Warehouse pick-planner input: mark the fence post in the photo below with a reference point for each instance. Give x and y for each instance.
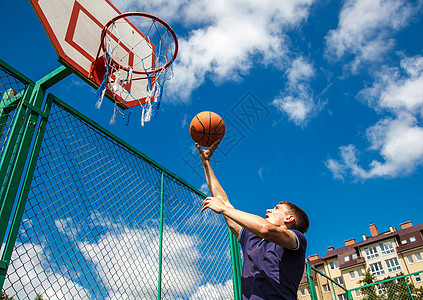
(159, 295)
(408, 287)
(236, 265)
(22, 153)
(310, 280)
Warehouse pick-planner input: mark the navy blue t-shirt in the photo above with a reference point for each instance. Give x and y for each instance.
(270, 271)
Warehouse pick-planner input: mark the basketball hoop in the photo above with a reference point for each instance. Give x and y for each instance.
(133, 62)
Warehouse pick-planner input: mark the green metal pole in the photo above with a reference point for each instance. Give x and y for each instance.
(6, 107)
(159, 296)
(11, 147)
(408, 287)
(16, 159)
(16, 220)
(15, 73)
(333, 289)
(13, 154)
(311, 284)
(12, 180)
(236, 265)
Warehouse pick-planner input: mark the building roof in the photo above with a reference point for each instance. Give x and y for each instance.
(352, 247)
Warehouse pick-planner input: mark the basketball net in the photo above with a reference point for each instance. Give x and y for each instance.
(139, 50)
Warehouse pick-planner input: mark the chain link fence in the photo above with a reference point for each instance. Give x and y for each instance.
(317, 286)
(103, 221)
(402, 287)
(12, 88)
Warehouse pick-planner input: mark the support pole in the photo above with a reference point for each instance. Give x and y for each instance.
(19, 160)
(236, 265)
(310, 280)
(159, 296)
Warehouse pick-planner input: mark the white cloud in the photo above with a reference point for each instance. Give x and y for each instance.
(400, 142)
(398, 139)
(398, 89)
(205, 188)
(68, 227)
(297, 100)
(29, 273)
(213, 292)
(226, 38)
(300, 70)
(185, 120)
(120, 258)
(262, 171)
(124, 259)
(365, 29)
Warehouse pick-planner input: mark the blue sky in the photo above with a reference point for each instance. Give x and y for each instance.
(322, 100)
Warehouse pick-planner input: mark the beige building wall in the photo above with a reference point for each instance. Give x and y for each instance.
(353, 275)
(382, 253)
(412, 260)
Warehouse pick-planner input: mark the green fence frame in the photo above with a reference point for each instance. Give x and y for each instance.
(395, 281)
(21, 153)
(312, 286)
(18, 150)
(411, 292)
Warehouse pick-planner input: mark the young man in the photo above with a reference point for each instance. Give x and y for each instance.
(273, 248)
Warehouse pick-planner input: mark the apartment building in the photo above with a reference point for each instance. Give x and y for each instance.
(385, 254)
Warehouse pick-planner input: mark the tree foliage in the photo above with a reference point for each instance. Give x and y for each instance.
(390, 288)
(5, 296)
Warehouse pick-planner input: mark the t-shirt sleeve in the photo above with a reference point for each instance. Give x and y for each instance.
(301, 240)
(241, 236)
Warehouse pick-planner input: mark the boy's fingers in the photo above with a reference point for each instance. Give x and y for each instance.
(214, 145)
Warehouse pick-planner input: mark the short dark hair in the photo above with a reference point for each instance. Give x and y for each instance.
(301, 222)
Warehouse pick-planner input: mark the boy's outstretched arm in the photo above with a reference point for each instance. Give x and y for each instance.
(215, 188)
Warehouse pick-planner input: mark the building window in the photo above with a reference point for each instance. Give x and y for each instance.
(403, 242)
(377, 269)
(386, 248)
(323, 271)
(393, 264)
(410, 259)
(357, 293)
(417, 277)
(334, 265)
(352, 275)
(326, 288)
(418, 257)
(346, 258)
(371, 252)
(412, 239)
(339, 280)
(342, 297)
(360, 273)
(354, 256)
(303, 292)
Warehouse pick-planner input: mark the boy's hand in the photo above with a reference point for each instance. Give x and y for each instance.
(206, 154)
(216, 204)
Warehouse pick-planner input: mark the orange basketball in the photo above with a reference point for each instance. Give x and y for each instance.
(206, 128)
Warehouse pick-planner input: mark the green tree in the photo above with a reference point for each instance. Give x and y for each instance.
(369, 292)
(39, 297)
(418, 293)
(5, 296)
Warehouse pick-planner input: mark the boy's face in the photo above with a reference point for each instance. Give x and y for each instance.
(278, 215)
